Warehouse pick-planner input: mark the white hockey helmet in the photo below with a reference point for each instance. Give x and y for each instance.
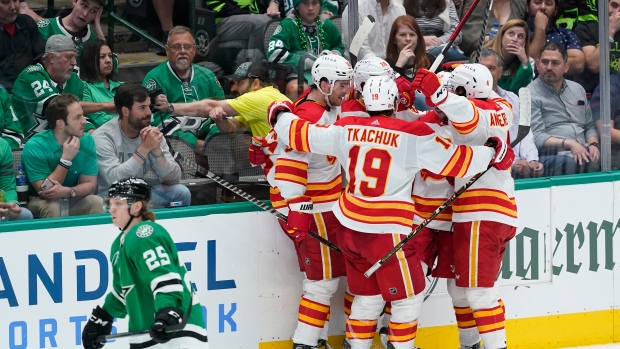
(380, 93)
(475, 78)
(366, 68)
(332, 68)
(444, 76)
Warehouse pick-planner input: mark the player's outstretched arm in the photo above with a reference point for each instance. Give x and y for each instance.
(301, 135)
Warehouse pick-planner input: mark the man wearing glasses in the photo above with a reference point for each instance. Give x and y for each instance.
(181, 81)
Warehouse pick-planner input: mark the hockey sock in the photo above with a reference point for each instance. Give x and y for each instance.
(348, 300)
(468, 332)
(312, 317)
(490, 323)
(360, 333)
(402, 335)
(325, 332)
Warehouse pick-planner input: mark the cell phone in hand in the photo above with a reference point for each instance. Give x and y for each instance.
(46, 184)
(153, 95)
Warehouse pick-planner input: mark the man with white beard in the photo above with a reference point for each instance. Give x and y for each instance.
(182, 82)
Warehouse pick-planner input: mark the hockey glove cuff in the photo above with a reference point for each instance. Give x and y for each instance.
(255, 154)
(299, 217)
(504, 155)
(277, 107)
(99, 324)
(431, 86)
(166, 317)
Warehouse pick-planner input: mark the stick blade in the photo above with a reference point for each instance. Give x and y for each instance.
(525, 106)
(361, 35)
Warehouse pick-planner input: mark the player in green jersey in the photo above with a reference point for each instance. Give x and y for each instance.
(150, 284)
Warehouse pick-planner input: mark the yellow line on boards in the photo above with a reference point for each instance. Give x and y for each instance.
(544, 332)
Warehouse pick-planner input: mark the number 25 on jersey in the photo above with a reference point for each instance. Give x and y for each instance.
(156, 258)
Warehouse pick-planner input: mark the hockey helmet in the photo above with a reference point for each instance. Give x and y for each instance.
(475, 78)
(444, 77)
(366, 68)
(132, 189)
(331, 68)
(380, 93)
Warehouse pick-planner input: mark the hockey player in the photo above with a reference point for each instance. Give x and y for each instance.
(305, 186)
(485, 216)
(376, 66)
(381, 156)
(150, 285)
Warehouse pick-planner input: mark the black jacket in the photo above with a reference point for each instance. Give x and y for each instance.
(19, 51)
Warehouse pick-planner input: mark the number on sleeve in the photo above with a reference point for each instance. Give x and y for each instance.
(376, 166)
(39, 88)
(154, 260)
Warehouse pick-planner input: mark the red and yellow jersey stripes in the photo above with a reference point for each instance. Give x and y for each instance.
(381, 157)
(491, 198)
(302, 173)
(431, 190)
(273, 151)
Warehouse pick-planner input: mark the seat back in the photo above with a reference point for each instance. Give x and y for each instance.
(228, 157)
(270, 28)
(17, 158)
(338, 22)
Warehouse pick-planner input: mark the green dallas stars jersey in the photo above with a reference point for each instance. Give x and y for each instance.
(148, 276)
(202, 84)
(10, 129)
(31, 92)
(51, 26)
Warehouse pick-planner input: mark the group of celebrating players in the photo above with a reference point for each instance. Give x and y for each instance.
(400, 165)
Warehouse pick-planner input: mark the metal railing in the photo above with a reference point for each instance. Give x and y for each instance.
(113, 18)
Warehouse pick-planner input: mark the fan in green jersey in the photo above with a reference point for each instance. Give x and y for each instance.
(150, 284)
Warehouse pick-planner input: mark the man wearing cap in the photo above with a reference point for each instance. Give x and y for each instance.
(251, 84)
(81, 25)
(36, 84)
(20, 41)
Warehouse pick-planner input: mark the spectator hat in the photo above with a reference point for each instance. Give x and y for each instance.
(297, 2)
(59, 43)
(250, 70)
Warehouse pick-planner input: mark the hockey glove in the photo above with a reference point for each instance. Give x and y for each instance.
(299, 217)
(504, 155)
(166, 317)
(99, 324)
(255, 154)
(277, 107)
(406, 92)
(431, 86)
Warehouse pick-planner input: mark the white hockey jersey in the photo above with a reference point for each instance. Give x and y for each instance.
(473, 121)
(382, 156)
(298, 173)
(431, 190)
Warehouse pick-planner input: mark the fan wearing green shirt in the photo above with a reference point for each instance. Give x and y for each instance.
(61, 163)
(251, 84)
(37, 84)
(96, 70)
(82, 24)
(10, 129)
(181, 81)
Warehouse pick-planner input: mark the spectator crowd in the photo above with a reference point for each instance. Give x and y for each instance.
(79, 129)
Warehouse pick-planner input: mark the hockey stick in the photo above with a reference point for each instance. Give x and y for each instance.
(435, 213)
(484, 31)
(525, 115)
(173, 328)
(456, 32)
(246, 196)
(360, 37)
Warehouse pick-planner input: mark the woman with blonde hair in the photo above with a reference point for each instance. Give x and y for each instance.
(512, 43)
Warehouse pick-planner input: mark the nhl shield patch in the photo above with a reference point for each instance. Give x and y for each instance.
(144, 231)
